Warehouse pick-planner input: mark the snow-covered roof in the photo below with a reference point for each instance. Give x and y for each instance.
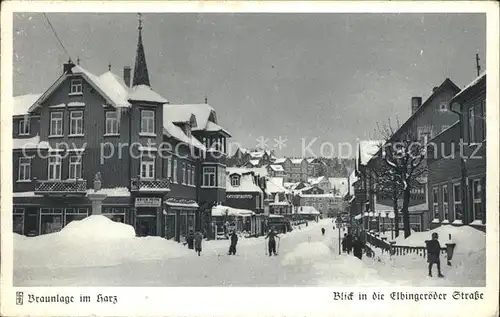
(297, 160)
(471, 84)
(367, 149)
(288, 185)
(220, 210)
(280, 160)
(261, 171)
(247, 184)
(310, 160)
(29, 143)
(275, 185)
(256, 154)
(145, 93)
(317, 196)
(307, 210)
(315, 180)
(201, 112)
(339, 183)
(22, 103)
(213, 127)
(254, 162)
(170, 129)
(276, 168)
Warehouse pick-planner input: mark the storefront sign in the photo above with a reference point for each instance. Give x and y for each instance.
(147, 202)
(239, 196)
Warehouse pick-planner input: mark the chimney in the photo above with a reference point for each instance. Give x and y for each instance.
(416, 102)
(126, 75)
(68, 66)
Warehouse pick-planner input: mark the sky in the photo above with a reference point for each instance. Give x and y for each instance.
(313, 81)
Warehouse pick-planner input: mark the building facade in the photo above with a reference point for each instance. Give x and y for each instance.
(110, 145)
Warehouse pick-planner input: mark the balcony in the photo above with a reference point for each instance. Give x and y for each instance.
(150, 185)
(61, 187)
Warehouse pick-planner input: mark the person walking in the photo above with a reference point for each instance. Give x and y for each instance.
(358, 247)
(190, 239)
(433, 250)
(198, 237)
(349, 243)
(344, 243)
(272, 235)
(323, 231)
(234, 241)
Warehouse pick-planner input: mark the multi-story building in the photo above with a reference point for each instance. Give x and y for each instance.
(275, 170)
(321, 182)
(108, 145)
(457, 162)
(426, 121)
(298, 170)
(328, 204)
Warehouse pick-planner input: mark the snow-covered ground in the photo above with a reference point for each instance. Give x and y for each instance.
(99, 252)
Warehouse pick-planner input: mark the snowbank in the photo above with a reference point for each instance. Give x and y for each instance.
(95, 241)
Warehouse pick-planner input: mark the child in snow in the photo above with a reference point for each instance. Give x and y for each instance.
(433, 249)
(323, 231)
(198, 237)
(272, 241)
(234, 241)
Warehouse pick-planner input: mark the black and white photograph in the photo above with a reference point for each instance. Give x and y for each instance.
(250, 149)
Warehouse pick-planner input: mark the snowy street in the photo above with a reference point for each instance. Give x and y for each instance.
(306, 258)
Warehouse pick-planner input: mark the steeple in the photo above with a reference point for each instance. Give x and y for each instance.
(141, 76)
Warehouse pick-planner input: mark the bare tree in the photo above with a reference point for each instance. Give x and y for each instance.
(403, 163)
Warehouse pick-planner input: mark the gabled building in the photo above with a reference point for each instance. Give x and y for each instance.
(112, 145)
(275, 170)
(457, 162)
(298, 170)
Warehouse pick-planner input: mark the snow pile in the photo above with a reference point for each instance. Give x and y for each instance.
(95, 241)
(306, 254)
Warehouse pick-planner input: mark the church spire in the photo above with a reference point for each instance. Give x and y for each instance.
(141, 76)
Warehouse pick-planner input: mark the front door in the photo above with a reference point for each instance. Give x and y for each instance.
(31, 222)
(145, 226)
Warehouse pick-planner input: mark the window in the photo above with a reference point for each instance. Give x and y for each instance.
(472, 129)
(183, 173)
(257, 198)
(111, 122)
(148, 121)
(75, 167)
(483, 114)
(24, 127)
(445, 202)
(435, 205)
(56, 123)
(76, 123)
(477, 200)
(443, 106)
(193, 173)
(457, 202)
(54, 172)
(169, 166)
(174, 172)
(147, 167)
(24, 172)
(189, 172)
(209, 176)
(235, 181)
(76, 86)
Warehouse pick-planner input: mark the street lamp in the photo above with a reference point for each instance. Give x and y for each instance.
(364, 221)
(383, 215)
(392, 215)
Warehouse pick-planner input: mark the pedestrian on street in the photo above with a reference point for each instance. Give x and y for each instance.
(344, 243)
(433, 250)
(190, 239)
(198, 238)
(358, 247)
(234, 241)
(349, 243)
(272, 235)
(323, 231)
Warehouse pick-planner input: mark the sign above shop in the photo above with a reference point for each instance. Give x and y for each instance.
(239, 196)
(147, 202)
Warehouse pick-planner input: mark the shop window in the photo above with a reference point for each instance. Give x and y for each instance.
(445, 202)
(18, 220)
(478, 207)
(51, 220)
(71, 214)
(116, 214)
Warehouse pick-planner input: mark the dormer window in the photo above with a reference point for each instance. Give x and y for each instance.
(24, 127)
(235, 181)
(76, 86)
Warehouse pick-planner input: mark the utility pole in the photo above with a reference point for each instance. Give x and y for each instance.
(478, 67)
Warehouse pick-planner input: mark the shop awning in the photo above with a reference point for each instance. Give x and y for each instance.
(220, 210)
(181, 203)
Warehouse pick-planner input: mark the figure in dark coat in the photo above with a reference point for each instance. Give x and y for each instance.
(358, 247)
(198, 237)
(272, 235)
(323, 231)
(349, 243)
(234, 241)
(433, 250)
(190, 239)
(344, 243)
